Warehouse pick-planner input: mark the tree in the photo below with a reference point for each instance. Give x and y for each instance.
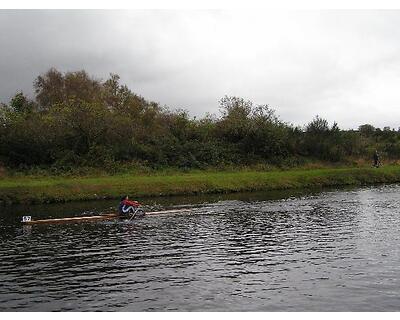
(235, 124)
(317, 125)
(366, 129)
(235, 107)
(323, 142)
(21, 104)
(54, 88)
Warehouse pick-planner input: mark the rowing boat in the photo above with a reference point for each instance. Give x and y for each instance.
(27, 220)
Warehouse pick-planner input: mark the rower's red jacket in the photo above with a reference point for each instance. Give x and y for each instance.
(130, 203)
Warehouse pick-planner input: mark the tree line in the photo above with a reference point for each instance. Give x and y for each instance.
(76, 120)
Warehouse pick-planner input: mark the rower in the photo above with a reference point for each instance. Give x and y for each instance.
(127, 206)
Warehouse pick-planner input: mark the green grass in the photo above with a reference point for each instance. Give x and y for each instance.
(59, 189)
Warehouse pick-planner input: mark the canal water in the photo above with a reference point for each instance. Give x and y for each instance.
(331, 250)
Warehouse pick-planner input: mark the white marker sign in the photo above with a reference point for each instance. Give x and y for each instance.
(26, 218)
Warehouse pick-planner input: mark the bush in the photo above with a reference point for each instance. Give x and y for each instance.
(77, 121)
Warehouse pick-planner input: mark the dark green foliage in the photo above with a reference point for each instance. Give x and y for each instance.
(21, 104)
(77, 121)
(323, 142)
(366, 130)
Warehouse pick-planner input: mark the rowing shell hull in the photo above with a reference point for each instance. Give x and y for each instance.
(74, 219)
(111, 216)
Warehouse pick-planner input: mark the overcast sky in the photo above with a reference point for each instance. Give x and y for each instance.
(341, 65)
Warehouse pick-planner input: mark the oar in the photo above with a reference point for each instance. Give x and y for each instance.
(132, 216)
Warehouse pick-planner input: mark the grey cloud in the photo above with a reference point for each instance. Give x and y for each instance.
(342, 65)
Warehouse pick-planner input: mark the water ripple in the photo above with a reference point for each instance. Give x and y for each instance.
(331, 251)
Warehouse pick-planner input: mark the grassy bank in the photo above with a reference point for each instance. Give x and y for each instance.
(60, 189)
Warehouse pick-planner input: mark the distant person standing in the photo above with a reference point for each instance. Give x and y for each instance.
(377, 161)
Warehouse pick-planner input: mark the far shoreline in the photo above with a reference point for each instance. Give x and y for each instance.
(41, 190)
